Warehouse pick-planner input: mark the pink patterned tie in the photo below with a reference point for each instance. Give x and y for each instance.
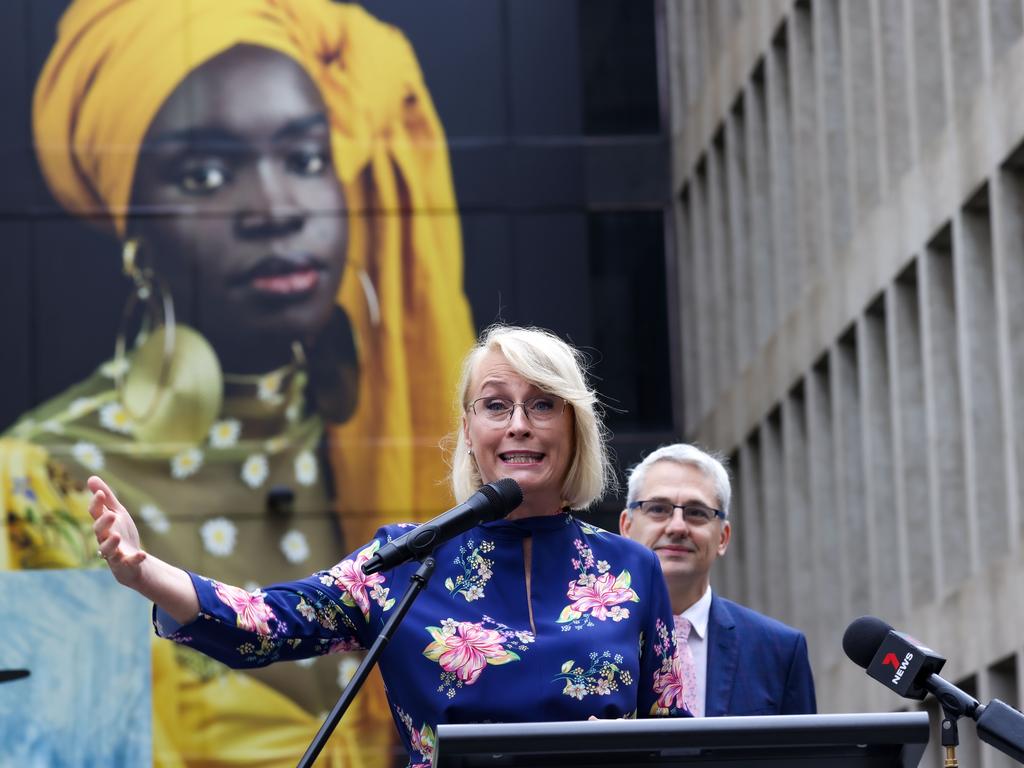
(687, 669)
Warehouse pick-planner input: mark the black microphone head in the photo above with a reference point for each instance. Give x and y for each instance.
(510, 492)
(862, 639)
(502, 497)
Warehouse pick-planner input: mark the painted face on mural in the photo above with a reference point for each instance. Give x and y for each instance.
(237, 203)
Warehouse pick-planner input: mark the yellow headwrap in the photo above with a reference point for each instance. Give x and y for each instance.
(114, 64)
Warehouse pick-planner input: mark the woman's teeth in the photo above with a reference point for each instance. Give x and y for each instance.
(521, 458)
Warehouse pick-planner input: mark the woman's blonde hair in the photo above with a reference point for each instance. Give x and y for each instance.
(549, 364)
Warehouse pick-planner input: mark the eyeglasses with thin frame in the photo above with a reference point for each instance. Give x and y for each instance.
(540, 411)
(660, 510)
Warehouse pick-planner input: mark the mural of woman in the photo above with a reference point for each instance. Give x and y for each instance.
(278, 180)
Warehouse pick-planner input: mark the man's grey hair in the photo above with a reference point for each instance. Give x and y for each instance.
(711, 464)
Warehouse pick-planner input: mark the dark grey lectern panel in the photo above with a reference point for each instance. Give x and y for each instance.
(835, 741)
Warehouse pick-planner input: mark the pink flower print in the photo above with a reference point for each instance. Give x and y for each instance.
(344, 645)
(349, 576)
(465, 649)
(424, 741)
(586, 554)
(670, 687)
(250, 610)
(597, 595)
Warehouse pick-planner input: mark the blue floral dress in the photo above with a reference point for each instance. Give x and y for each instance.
(593, 637)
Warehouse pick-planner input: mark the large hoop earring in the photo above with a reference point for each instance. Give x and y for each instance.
(170, 383)
(370, 294)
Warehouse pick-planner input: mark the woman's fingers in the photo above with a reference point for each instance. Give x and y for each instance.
(96, 484)
(135, 558)
(108, 548)
(106, 511)
(114, 553)
(103, 523)
(100, 489)
(98, 505)
(115, 532)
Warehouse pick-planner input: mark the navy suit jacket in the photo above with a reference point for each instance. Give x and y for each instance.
(756, 665)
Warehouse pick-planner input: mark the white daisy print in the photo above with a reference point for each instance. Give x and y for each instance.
(305, 468)
(346, 669)
(295, 547)
(186, 463)
(114, 417)
(115, 368)
(53, 426)
(293, 412)
(254, 470)
(219, 536)
(224, 434)
(88, 455)
(155, 518)
(81, 406)
(270, 388)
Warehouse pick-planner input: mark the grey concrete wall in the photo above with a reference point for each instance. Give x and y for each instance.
(850, 239)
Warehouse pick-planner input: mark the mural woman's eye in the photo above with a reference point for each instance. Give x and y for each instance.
(202, 178)
(308, 162)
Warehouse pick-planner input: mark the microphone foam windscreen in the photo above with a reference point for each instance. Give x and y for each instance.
(510, 492)
(862, 639)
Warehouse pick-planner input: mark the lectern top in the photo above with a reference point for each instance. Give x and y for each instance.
(870, 740)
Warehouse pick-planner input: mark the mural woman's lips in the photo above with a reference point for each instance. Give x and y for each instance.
(286, 276)
(298, 282)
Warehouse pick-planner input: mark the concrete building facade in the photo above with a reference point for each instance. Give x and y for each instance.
(849, 222)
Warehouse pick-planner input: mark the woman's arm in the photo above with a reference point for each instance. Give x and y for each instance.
(326, 612)
(662, 687)
(169, 587)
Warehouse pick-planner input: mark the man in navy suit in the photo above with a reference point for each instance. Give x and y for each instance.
(736, 661)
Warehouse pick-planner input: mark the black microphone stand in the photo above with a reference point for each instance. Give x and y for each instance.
(419, 581)
(998, 724)
(955, 704)
(949, 738)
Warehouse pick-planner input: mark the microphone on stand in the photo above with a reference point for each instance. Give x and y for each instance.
(910, 669)
(492, 502)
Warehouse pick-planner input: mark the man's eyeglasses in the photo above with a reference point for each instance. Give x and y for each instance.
(497, 411)
(660, 510)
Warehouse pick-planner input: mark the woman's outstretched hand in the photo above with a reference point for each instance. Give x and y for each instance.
(116, 534)
(167, 586)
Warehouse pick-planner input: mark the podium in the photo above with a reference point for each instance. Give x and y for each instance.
(835, 741)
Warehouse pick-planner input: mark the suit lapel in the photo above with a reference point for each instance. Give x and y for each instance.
(723, 654)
